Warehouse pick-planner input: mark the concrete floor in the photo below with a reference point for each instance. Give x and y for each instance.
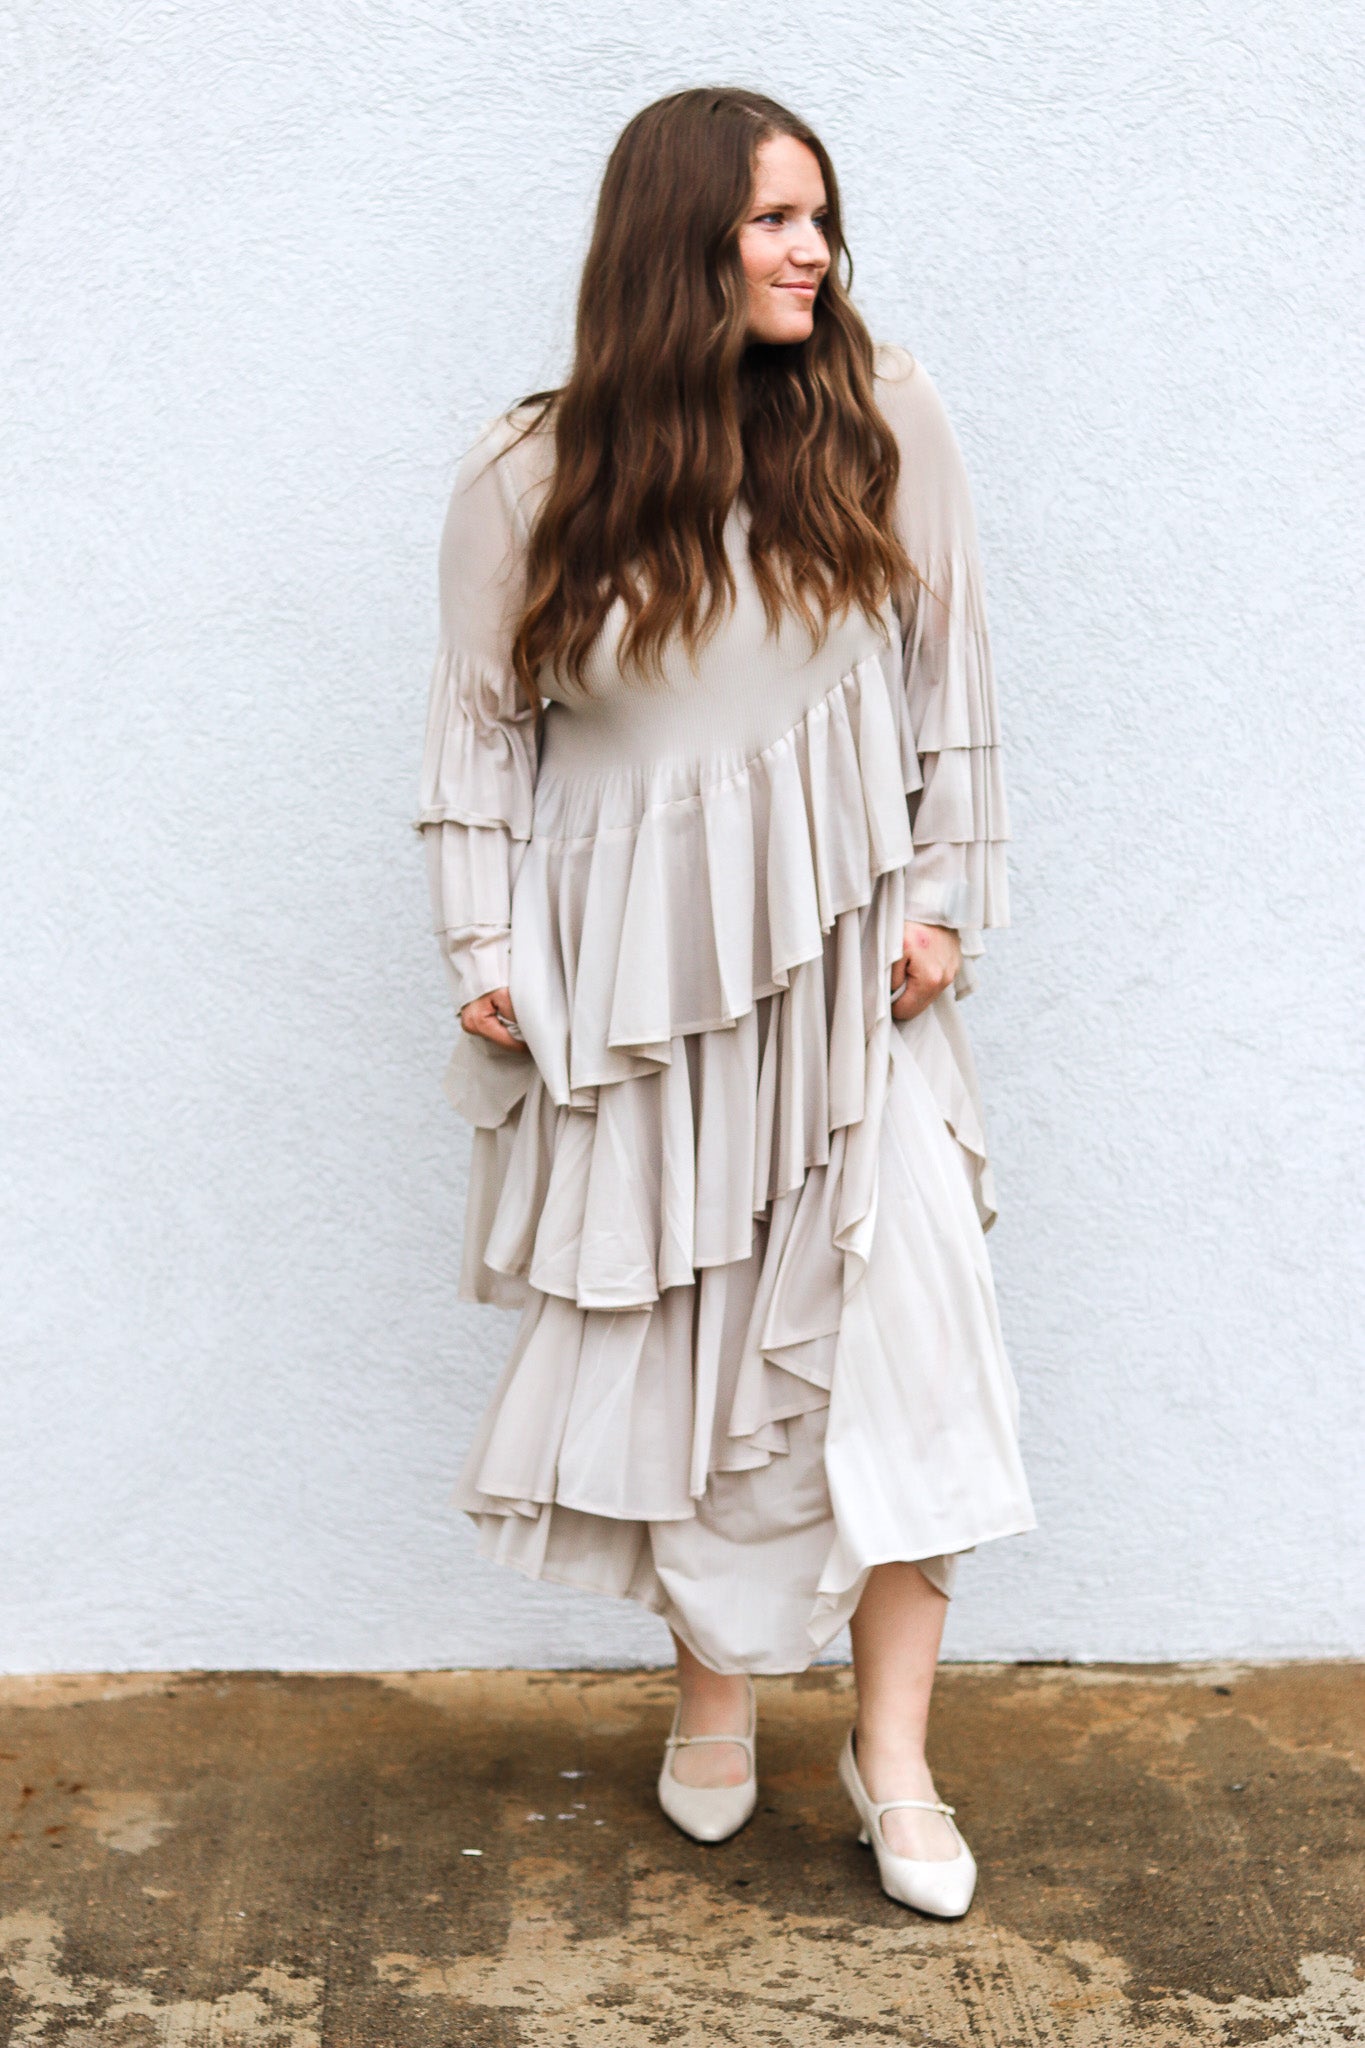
(257, 1861)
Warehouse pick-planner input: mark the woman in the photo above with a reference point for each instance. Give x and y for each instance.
(714, 816)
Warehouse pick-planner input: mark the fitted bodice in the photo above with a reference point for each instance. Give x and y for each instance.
(742, 689)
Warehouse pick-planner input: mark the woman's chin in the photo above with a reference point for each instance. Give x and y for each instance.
(784, 328)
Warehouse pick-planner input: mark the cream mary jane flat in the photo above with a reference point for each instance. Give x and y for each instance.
(942, 1888)
(709, 1813)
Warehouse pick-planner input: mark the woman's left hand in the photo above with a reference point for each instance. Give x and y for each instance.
(930, 958)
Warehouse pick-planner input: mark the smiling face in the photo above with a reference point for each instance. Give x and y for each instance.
(782, 243)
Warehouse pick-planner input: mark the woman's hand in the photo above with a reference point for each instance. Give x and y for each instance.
(489, 1016)
(930, 958)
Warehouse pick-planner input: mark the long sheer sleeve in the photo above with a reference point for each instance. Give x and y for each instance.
(959, 817)
(479, 764)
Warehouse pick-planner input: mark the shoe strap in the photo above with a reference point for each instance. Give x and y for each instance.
(891, 1805)
(745, 1741)
(675, 1741)
(683, 1741)
(927, 1805)
(879, 1813)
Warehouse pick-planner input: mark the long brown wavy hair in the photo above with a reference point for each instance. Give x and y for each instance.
(671, 415)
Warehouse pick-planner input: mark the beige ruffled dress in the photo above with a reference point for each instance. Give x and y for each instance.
(740, 1208)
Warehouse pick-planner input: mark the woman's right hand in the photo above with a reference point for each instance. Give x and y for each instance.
(489, 1016)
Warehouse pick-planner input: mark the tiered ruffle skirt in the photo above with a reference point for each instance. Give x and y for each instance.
(741, 1208)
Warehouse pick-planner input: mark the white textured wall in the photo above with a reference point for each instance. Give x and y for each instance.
(269, 268)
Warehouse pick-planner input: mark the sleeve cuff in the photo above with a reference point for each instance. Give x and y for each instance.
(961, 883)
(932, 900)
(477, 962)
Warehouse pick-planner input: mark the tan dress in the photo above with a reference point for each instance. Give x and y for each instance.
(740, 1207)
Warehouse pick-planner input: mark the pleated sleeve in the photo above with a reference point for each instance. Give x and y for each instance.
(479, 762)
(959, 819)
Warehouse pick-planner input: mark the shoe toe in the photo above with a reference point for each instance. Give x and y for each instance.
(708, 1813)
(943, 1889)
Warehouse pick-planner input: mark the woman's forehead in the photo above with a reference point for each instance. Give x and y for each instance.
(786, 172)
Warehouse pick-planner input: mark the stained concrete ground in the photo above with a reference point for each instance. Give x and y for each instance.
(475, 1860)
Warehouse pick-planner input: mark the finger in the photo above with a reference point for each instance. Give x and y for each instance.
(496, 1032)
(480, 1018)
(930, 971)
(922, 984)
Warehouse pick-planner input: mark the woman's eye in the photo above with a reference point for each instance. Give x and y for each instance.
(780, 220)
(821, 220)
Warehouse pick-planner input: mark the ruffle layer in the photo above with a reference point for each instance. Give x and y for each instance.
(656, 913)
(476, 806)
(681, 1187)
(950, 680)
(657, 903)
(701, 1115)
(631, 1234)
(899, 765)
(750, 1403)
(610, 1204)
(479, 761)
(961, 817)
(667, 1173)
